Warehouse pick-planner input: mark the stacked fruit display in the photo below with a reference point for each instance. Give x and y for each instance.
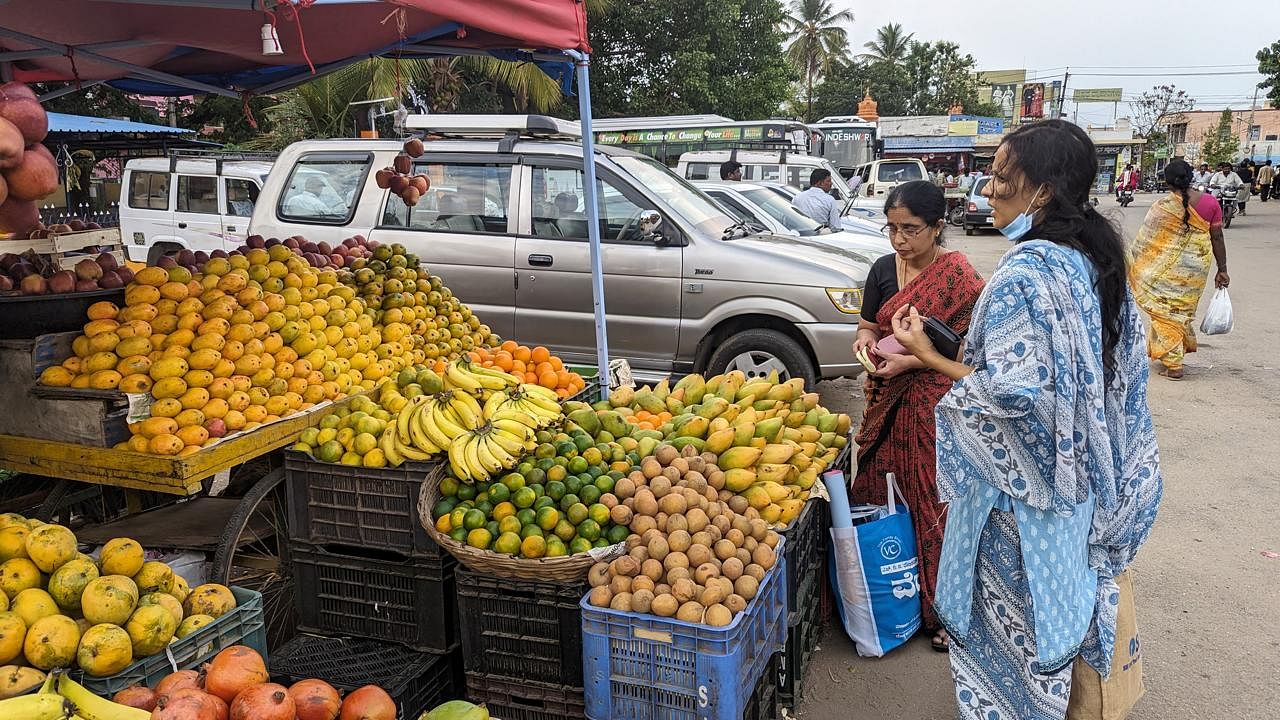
(33, 274)
(771, 439)
(560, 501)
(535, 365)
(693, 555)
(63, 609)
(28, 168)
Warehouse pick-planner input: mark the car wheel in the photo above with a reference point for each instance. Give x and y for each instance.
(758, 352)
(969, 230)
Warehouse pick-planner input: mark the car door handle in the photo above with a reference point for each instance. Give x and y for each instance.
(540, 260)
(231, 228)
(182, 226)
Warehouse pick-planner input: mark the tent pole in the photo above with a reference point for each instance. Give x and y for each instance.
(581, 62)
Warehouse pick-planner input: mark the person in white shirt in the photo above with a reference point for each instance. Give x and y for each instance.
(1226, 177)
(308, 203)
(1201, 176)
(816, 202)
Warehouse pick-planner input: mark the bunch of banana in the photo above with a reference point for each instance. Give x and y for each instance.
(494, 447)
(428, 425)
(535, 400)
(479, 381)
(91, 707)
(61, 698)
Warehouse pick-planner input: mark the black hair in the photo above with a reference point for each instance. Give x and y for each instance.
(818, 175)
(1178, 174)
(922, 199)
(1060, 157)
(729, 167)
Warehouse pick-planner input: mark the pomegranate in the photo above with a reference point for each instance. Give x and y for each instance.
(188, 704)
(268, 701)
(315, 700)
(180, 680)
(19, 216)
(6, 283)
(87, 286)
(136, 696)
(62, 282)
(368, 703)
(12, 144)
(107, 262)
(233, 670)
(126, 275)
(35, 176)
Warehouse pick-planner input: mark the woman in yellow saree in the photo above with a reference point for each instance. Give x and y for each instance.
(1168, 264)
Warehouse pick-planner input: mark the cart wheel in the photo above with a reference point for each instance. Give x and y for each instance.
(253, 553)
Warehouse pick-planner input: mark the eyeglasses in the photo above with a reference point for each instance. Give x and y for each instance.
(910, 232)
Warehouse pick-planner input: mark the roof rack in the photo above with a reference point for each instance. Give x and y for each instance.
(507, 128)
(218, 156)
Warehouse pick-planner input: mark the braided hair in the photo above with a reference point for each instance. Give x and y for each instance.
(1178, 174)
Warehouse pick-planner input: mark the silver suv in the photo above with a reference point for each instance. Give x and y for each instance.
(504, 225)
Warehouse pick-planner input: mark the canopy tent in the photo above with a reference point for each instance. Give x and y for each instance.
(216, 47)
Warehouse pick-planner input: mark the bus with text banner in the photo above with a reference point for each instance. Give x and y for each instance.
(846, 141)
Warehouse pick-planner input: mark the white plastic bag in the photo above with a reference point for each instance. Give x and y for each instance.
(1218, 320)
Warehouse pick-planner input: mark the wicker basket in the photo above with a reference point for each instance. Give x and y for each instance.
(566, 569)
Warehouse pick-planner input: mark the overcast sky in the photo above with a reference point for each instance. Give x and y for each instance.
(1109, 36)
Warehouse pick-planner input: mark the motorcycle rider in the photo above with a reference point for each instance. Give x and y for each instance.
(1225, 178)
(1128, 180)
(1202, 176)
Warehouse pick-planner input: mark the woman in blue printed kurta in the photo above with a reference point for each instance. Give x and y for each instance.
(1046, 450)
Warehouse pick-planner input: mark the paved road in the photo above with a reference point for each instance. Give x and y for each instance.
(1208, 597)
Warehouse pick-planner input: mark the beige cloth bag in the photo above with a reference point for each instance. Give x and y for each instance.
(1093, 698)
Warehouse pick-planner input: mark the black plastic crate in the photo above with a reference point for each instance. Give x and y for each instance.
(806, 547)
(412, 602)
(374, 508)
(521, 630)
(764, 700)
(803, 629)
(417, 681)
(521, 700)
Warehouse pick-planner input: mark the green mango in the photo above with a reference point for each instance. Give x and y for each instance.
(588, 420)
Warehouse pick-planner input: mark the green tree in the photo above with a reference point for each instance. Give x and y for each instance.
(97, 101)
(692, 56)
(890, 46)
(1269, 66)
(931, 78)
(817, 38)
(1220, 144)
(225, 118)
(939, 76)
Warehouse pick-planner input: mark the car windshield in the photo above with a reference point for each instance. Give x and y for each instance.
(977, 187)
(675, 191)
(782, 211)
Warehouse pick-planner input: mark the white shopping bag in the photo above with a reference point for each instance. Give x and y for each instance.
(1218, 320)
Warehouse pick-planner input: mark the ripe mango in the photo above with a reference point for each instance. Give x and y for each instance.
(612, 423)
(588, 420)
(720, 440)
(743, 432)
(713, 408)
(769, 429)
(694, 387)
(773, 472)
(680, 443)
(738, 479)
(777, 453)
(696, 427)
(662, 389)
(738, 457)
(757, 497)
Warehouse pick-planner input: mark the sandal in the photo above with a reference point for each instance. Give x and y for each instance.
(941, 642)
(1173, 373)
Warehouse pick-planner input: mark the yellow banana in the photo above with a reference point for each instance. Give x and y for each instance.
(457, 459)
(545, 417)
(515, 427)
(507, 379)
(412, 453)
(470, 401)
(509, 442)
(91, 707)
(406, 415)
(488, 382)
(531, 389)
(484, 453)
(444, 419)
(519, 416)
(430, 424)
(494, 402)
(470, 419)
(40, 706)
(506, 460)
(389, 450)
(456, 379)
(472, 453)
(549, 405)
(421, 440)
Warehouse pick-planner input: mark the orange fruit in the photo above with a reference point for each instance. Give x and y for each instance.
(234, 420)
(193, 435)
(165, 445)
(166, 407)
(189, 417)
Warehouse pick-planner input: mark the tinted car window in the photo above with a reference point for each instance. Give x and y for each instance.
(463, 197)
(898, 172)
(559, 208)
(198, 194)
(241, 197)
(149, 190)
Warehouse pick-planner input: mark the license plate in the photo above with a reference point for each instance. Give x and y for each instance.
(989, 220)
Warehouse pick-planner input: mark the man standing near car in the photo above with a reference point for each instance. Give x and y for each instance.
(1266, 176)
(731, 170)
(816, 202)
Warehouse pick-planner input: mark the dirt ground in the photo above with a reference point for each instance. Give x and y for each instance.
(1208, 580)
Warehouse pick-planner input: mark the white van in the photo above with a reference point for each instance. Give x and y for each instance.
(878, 178)
(762, 166)
(189, 202)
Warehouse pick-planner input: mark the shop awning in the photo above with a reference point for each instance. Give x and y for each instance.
(63, 123)
(929, 144)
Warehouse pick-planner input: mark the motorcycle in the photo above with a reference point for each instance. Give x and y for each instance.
(1226, 197)
(1126, 197)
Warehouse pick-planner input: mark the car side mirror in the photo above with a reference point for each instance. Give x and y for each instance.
(650, 221)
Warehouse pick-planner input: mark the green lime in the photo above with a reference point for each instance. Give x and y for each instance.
(565, 530)
(499, 493)
(573, 483)
(508, 543)
(524, 497)
(544, 502)
(474, 519)
(578, 465)
(576, 513)
(545, 450)
(579, 545)
(524, 468)
(548, 518)
(492, 527)
(601, 543)
(457, 515)
(509, 524)
(615, 475)
(569, 501)
(604, 483)
(556, 490)
(467, 492)
(556, 547)
(458, 534)
(535, 476)
(582, 442)
(556, 473)
(513, 481)
(528, 530)
(567, 449)
(543, 436)
(443, 507)
(544, 464)
(539, 489)
(449, 486)
(590, 494)
(595, 471)
(482, 488)
(599, 513)
(618, 533)
(479, 538)
(589, 530)
(534, 546)
(526, 516)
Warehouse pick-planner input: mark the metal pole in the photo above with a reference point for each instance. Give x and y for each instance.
(581, 62)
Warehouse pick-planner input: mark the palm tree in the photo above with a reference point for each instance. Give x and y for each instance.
(817, 39)
(891, 45)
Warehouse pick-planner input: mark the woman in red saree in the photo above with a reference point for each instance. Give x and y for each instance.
(897, 433)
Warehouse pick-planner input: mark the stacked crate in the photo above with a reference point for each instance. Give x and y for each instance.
(806, 567)
(365, 569)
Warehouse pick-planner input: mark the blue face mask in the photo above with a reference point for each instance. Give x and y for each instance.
(1021, 225)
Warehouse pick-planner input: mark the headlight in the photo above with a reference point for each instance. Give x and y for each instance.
(846, 300)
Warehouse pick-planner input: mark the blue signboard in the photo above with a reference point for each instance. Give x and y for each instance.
(986, 125)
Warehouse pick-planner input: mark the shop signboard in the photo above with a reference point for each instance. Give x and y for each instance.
(962, 125)
(1033, 100)
(926, 126)
(1005, 97)
(1088, 95)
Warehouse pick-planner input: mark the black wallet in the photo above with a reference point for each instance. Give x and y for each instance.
(945, 340)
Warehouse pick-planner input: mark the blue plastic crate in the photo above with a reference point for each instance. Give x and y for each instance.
(645, 667)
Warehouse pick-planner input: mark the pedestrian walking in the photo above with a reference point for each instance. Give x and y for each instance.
(1266, 177)
(816, 201)
(1246, 179)
(1046, 449)
(897, 433)
(1168, 264)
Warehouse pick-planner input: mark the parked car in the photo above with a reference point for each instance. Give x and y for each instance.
(193, 203)
(880, 177)
(762, 165)
(772, 213)
(977, 211)
(856, 219)
(688, 287)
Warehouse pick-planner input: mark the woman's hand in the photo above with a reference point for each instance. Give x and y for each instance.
(1222, 279)
(908, 328)
(894, 364)
(866, 339)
